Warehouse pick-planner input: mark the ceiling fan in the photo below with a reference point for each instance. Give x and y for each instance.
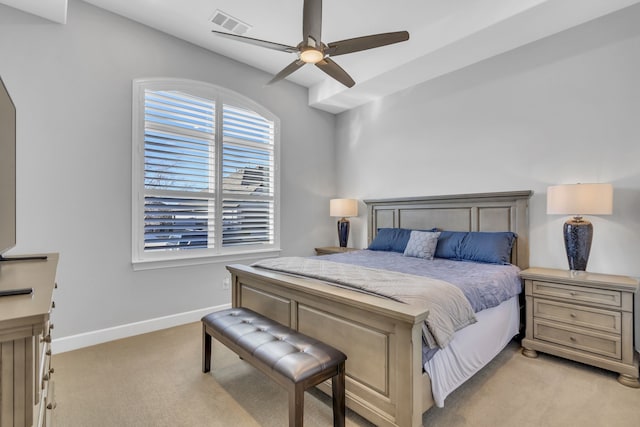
(311, 50)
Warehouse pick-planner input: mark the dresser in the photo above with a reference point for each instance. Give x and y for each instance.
(582, 316)
(26, 387)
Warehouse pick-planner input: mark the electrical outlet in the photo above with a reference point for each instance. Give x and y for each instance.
(226, 284)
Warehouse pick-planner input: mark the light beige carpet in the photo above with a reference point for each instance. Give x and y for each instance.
(156, 380)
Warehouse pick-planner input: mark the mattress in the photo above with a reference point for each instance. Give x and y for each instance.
(472, 348)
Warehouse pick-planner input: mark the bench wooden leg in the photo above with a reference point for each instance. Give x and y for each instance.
(206, 350)
(296, 404)
(337, 391)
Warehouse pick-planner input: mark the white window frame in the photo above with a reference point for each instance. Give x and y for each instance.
(142, 259)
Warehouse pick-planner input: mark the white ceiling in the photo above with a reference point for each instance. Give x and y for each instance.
(445, 35)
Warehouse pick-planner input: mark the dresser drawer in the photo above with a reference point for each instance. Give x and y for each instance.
(50, 402)
(577, 338)
(602, 297)
(593, 318)
(43, 361)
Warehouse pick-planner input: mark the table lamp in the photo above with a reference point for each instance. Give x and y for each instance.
(343, 208)
(578, 200)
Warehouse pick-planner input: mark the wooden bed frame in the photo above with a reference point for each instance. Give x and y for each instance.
(381, 338)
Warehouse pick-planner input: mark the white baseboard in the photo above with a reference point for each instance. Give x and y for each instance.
(86, 339)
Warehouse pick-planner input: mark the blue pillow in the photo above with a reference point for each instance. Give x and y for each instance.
(488, 247)
(449, 244)
(391, 239)
(478, 246)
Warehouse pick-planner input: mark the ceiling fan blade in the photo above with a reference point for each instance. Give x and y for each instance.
(334, 70)
(312, 21)
(257, 42)
(367, 42)
(286, 71)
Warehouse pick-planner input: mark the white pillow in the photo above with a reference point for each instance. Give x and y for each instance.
(422, 244)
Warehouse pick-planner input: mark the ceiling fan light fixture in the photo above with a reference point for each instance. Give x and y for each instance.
(311, 56)
(311, 50)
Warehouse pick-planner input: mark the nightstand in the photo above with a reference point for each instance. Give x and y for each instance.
(582, 316)
(333, 250)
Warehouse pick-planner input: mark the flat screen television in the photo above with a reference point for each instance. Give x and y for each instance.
(7, 171)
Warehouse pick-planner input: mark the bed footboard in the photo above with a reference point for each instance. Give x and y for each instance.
(381, 338)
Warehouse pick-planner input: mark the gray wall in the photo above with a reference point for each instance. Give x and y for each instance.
(72, 88)
(561, 110)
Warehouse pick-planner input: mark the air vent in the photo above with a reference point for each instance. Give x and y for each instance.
(229, 23)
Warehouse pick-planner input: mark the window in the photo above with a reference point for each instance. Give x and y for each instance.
(205, 180)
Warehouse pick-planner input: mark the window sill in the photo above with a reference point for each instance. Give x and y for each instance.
(215, 259)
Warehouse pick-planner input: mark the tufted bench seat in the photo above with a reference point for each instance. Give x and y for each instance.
(295, 361)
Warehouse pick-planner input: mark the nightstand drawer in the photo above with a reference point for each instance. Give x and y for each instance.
(577, 293)
(593, 318)
(593, 342)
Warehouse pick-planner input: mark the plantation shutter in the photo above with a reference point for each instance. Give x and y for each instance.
(179, 178)
(209, 175)
(248, 178)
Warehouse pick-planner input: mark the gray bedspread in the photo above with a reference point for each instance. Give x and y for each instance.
(484, 285)
(449, 309)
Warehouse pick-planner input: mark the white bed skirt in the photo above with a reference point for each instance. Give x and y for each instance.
(472, 348)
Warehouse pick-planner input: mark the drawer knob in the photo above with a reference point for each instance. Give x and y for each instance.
(52, 405)
(47, 376)
(53, 304)
(50, 325)
(47, 339)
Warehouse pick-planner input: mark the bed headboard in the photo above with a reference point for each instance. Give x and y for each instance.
(504, 211)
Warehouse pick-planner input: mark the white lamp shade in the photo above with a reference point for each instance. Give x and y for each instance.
(343, 207)
(580, 199)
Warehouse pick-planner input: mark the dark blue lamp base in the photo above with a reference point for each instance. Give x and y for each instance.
(343, 232)
(578, 234)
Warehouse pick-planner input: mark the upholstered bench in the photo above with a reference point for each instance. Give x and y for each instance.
(295, 361)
